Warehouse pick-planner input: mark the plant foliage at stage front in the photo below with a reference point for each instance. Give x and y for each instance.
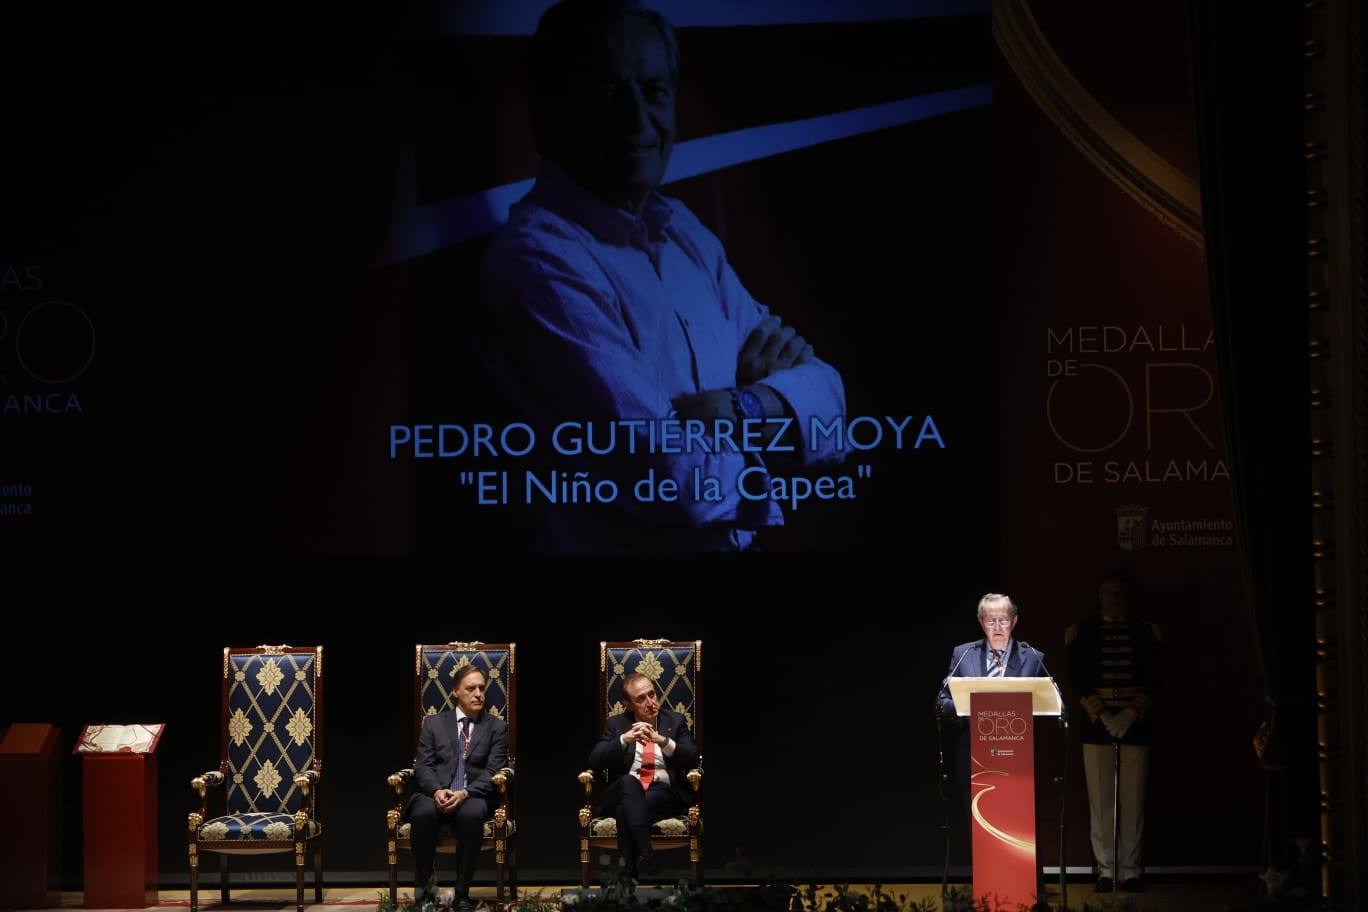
(617, 895)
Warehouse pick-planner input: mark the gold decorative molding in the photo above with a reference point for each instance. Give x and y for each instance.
(225, 663)
(1140, 172)
(651, 644)
(274, 650)
(1333, 254)
(473, 646)
(318, 663)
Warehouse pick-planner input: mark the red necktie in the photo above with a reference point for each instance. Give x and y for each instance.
(647, 764)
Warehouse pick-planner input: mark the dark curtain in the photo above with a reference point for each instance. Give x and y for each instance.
(1247, 64)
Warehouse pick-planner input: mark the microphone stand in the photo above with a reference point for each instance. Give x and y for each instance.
(944, 797)
(1062, 780)
(1116, 813)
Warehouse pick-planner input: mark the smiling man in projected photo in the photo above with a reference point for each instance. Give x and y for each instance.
(603, 299)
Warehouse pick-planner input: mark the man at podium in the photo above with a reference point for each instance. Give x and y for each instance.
(997, 655)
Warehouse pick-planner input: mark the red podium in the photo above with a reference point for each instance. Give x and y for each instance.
(120, 815)
(30, 784)
(1001, 721)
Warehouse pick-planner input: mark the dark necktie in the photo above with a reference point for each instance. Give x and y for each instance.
(458, 781)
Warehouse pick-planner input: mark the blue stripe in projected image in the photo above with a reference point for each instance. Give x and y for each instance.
(423, 229)
(712, 153)
(492, 17)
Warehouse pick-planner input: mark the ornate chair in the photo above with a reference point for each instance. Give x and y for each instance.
(270, 766)
(433, 669)
(677, 670)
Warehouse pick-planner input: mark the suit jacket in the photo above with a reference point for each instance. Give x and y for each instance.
(970, 660)
(438, 744)
(609, 754)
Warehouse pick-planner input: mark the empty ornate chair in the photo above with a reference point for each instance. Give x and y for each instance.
(270, 765)
(433, 669)
(676, 668)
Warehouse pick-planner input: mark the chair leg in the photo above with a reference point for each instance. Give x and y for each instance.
(318, 871)
(194, 878)
(223, 879)
(299, 878)
(394, 879)
(696, 858)
(500, 863)
(584, 862)
(513, 875)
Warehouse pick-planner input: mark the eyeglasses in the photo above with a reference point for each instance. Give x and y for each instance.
(997, 622)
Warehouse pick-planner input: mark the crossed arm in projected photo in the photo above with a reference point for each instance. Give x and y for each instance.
(577, 329)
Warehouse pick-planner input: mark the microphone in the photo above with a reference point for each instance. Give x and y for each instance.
(1063, 709)
(955, 668)
(946, 683)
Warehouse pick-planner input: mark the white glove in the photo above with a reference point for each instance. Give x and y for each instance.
(1120, 723)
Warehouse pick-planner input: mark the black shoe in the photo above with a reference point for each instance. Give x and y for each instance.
(1133, 885)
(649, 864)
(1104, 885)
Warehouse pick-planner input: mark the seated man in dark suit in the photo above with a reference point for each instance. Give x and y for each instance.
(459, 751)
(647, 752)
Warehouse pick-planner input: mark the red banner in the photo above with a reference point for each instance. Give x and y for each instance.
(1002, 798)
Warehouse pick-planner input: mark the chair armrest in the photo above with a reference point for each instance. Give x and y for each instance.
(501, 779)
(586, 813)
(695, 777)
(202, 783)
(307, 780)
(398, 780)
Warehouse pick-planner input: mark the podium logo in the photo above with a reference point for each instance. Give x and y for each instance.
(1130, 527)
(1000, 752)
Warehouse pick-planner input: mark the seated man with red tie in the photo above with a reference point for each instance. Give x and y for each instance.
(646, 752)
(459, 750)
